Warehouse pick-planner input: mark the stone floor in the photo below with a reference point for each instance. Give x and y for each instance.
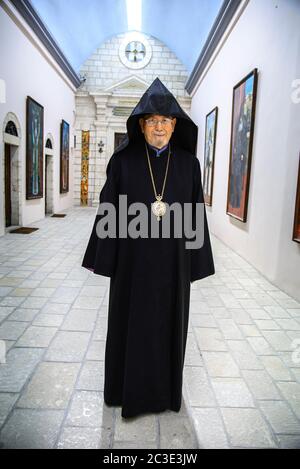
(242, 369)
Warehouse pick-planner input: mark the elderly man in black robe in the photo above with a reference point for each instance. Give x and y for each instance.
(150, 277)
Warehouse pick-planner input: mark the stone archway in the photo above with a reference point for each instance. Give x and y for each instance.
(12, 171)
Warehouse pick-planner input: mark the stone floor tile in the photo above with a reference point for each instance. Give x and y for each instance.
(289, 324)
(276, 368)
(100, 330)
(48, 320)
(241, 316)
(79, 320)
(203, 320)
(243, 355)
(229, 329)
(35, 336)
(247, 429)
(232, 392)
(193, 356)
(12, 330)
(289, 441)
(291, 392)
(87, 302)
(21, 292)
(7, 401)
(281, 418)
(96, 350)
(12, 301)
(68, 346)
(277, 312)
(34, 302)
(85, 410)
(5, 312)
(209, 428)
(220, 364)
(31, 429)
(91, 376)
(55, 308)
(23, 314)
(134, 445)
(267, 324)
(140, 428)
(260, 346)
(43, 292)
(210, 339)
(260, 384)
(198, 388)
(94, 291)
(64, 295)
(79, 438)
(177, 433)
(50, 387)
(279, 340)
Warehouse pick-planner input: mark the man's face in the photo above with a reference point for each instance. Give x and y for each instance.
(160, 133)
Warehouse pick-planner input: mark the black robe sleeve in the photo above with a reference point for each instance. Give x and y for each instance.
(202, 263)
(101, 253)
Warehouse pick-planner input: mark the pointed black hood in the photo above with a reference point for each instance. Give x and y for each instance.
(157, 99)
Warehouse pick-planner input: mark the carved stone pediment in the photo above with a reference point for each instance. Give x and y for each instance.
(132, 85)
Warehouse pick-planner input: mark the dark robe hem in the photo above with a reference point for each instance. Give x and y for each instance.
(200, 277)
(134, 412)
(103, 270)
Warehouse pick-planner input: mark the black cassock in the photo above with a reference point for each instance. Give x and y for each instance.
(150, 277)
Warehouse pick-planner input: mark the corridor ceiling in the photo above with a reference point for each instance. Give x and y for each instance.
(79, 27)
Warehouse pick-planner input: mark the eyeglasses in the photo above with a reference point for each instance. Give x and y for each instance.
(152, 122)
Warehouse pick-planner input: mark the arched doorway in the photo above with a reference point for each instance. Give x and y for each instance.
(12, 171)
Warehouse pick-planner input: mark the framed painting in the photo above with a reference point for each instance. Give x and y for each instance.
(85, 152)
(64, 156)
(296, 231)
(241, 142)
(209, 155)
(34, 149)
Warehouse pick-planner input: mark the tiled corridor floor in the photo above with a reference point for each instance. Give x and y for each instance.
(242, 367)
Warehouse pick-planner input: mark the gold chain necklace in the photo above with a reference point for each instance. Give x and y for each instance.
(158, 207)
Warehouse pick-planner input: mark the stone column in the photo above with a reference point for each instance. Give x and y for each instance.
(101, 125)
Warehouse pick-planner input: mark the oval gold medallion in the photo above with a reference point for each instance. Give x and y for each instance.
(159, 208)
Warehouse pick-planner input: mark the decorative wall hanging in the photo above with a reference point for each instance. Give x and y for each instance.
(296, 231)
(242, 127)
(64, 156)
(85, 149)
(209, 154)
(34, 149)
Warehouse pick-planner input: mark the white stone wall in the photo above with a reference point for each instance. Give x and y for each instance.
(104, 68)
(27, 69)
(266, 36)
(107, 97)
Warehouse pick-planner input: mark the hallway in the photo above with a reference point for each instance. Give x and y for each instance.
(242, 369)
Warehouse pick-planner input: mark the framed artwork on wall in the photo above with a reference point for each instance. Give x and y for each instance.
(296, 231)
(85, 152)
(209, 154)
(64, 156)
(34, 149)
(241, 142)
